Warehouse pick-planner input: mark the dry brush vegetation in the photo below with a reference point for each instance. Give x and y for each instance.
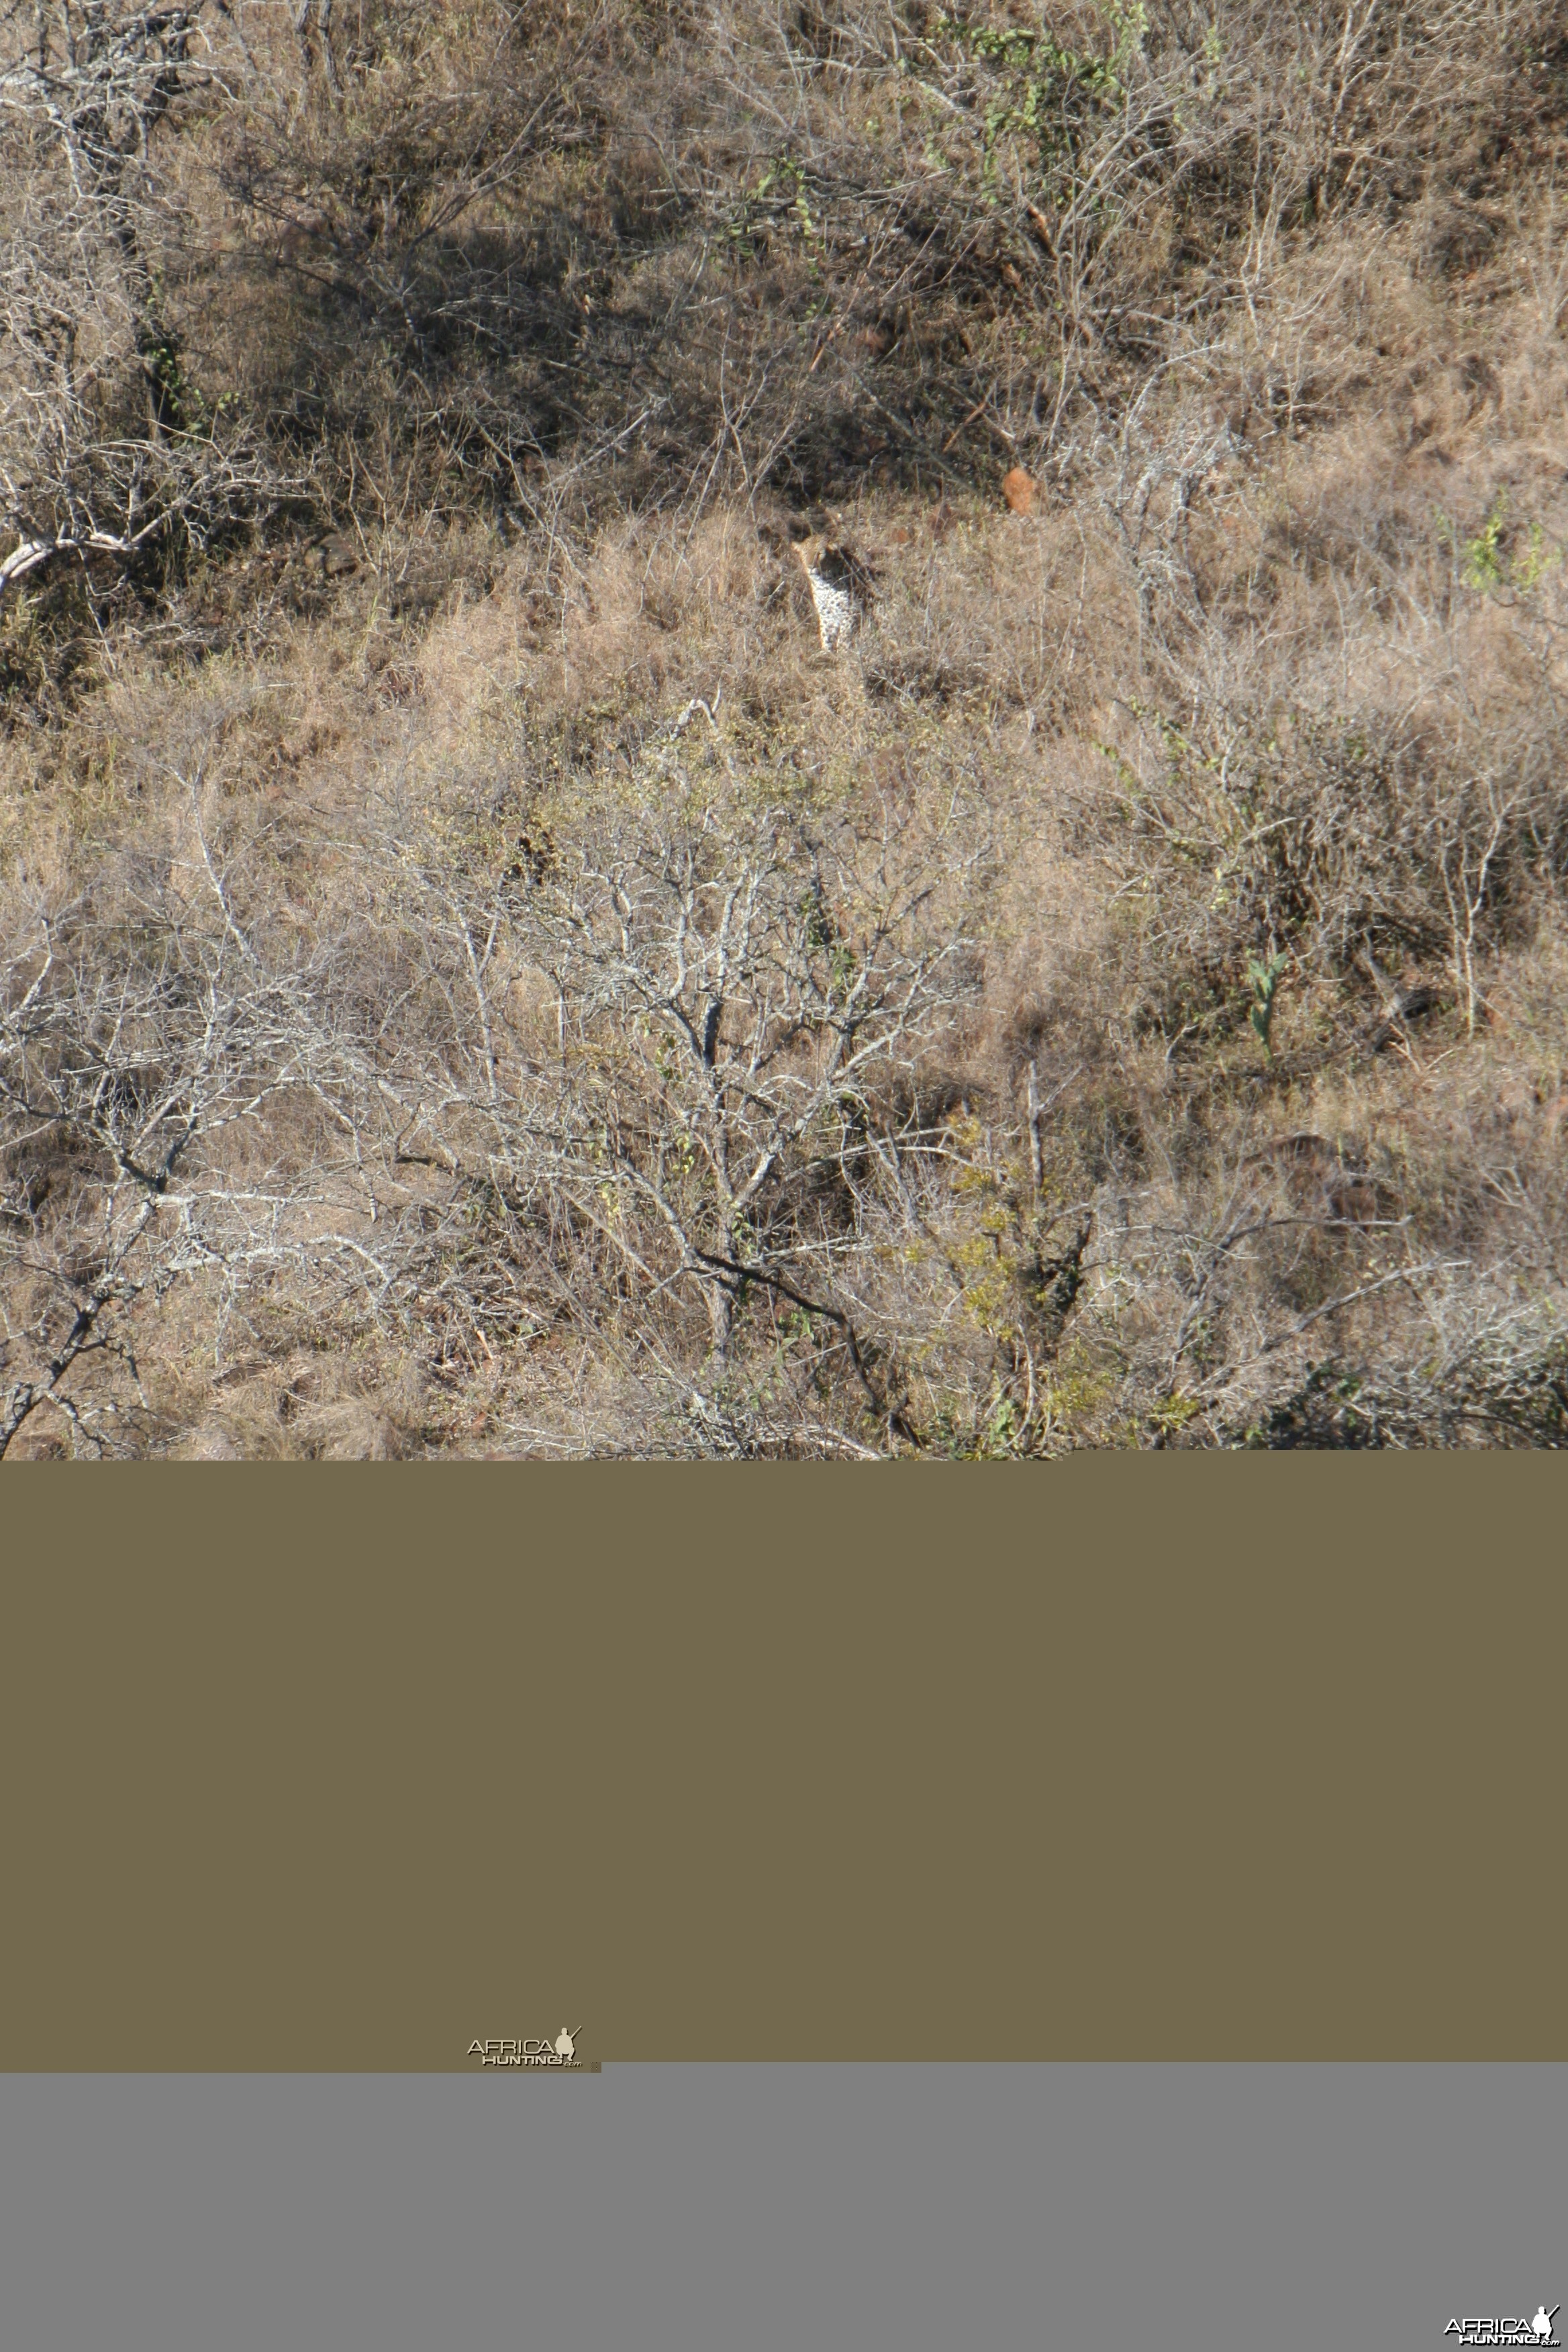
(477, 979)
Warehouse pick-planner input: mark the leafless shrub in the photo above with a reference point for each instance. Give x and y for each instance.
(109, 451)
(1314, 842)
(658, 1045)
(134, 1041)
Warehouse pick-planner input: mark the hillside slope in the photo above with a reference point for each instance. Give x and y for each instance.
(479, 979)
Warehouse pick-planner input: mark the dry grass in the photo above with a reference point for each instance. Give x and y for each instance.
(1173, 863)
